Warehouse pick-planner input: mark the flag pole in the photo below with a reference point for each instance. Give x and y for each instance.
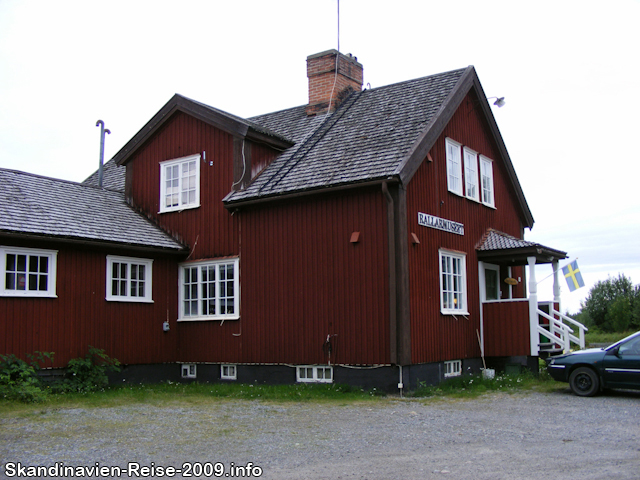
(556, 270)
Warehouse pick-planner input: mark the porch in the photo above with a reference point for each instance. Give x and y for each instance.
(513, 326)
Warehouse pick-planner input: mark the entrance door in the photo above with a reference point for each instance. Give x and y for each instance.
(491, 282)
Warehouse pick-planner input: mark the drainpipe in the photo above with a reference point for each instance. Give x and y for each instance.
(391, 221)
(102, 132)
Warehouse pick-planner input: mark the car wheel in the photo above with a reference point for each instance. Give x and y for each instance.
(584, 382)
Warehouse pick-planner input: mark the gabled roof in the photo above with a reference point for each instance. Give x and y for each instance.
(504, 248)
(36, 206)
(375, 135)
(225, 121)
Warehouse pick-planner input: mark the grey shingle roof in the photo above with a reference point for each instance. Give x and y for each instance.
(113, 177)
(42, 206)
(500, 246)
(495, 240)
(367, 138)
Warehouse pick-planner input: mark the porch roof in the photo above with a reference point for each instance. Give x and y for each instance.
(502, 248)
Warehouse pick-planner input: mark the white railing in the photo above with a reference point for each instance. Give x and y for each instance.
(559, 332)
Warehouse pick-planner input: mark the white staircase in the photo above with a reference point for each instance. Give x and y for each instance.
(558, 332)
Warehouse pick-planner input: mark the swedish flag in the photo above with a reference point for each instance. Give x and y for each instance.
(574, 278)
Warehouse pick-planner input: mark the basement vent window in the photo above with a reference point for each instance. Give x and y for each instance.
(453, 368)
(189, 370)
(228, 372)
(314, 374)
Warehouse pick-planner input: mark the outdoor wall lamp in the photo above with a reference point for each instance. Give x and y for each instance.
(499, 101)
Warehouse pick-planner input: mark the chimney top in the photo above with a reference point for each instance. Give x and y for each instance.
(332, 76)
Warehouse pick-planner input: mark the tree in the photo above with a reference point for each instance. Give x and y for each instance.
(613, 305)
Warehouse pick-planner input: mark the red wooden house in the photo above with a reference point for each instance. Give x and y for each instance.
(372, 237)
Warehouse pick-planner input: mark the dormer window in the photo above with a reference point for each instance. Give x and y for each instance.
(180, 184)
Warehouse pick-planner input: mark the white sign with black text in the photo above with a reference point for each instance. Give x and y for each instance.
(430, 221)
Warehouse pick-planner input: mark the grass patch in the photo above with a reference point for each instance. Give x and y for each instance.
(193, 394)
(594, 336)
(471, 386)
(170, 393)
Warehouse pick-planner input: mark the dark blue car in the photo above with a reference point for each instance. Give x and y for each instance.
(589, 371)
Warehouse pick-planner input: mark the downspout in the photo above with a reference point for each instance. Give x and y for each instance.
(391, 235)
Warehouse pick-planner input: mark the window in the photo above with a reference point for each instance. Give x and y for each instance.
(228, 372)
(128, 279)
(189, 370)
(471, 174)
(28, 272)
(180, 184)
(209, 290)
(314, 374)
(486, 176)
(454, 167)
(453, 283)
(453, 368)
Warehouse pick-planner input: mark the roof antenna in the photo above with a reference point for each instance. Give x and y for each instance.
(338, 26)
(102, 132)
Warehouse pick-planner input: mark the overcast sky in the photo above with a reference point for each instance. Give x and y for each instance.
(568, 70)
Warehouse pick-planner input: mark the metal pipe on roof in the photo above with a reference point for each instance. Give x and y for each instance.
(102, 132)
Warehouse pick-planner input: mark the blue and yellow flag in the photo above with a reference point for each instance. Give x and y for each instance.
(574, 278)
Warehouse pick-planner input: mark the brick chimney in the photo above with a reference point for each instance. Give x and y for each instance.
(321, 71)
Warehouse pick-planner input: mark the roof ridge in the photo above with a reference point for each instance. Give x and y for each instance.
(411, 80)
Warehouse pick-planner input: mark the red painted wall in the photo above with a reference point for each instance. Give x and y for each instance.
(210, 230)
(302, 279)
(506, 329)
(80, 316)
(437, 337)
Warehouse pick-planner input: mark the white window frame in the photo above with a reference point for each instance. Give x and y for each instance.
(132, 266)
(453, 283)
(486, 181)
(182, 184)
(228, 372)
(199, 280)
(454, 166)
(189, 370)
(471, 186)
(27, 276)
(314, 374)
(452, 368)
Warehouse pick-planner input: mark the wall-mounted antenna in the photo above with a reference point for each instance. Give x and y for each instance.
(102, 132)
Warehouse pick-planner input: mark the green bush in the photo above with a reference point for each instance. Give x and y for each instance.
(88, 374)
(19, 380)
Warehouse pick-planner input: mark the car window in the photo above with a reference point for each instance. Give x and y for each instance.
(632, 347)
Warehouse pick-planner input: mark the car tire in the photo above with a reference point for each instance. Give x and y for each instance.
(584, 382)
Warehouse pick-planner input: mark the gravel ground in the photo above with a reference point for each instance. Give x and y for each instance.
(497, 436)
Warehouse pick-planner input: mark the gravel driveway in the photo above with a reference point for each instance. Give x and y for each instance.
(497, 436)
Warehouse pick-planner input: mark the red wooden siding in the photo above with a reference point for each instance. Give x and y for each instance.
(437, 337)
(80, 316)
(261, 157)
(506, 328)
(209, 229)
(302, 279)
